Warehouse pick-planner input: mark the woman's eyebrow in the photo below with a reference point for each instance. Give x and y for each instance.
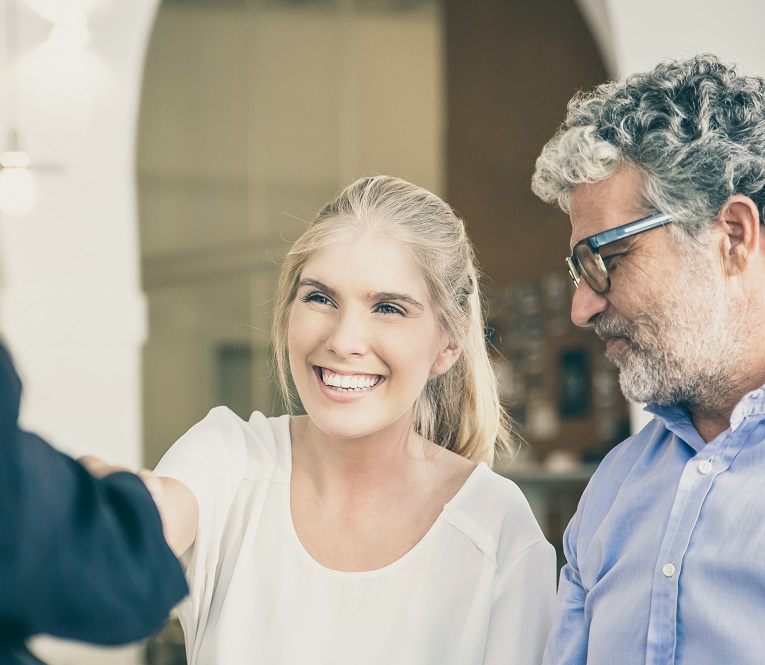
(316, 284)
(375, 296)
(393, 295)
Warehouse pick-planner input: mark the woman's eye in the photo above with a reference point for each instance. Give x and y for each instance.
(319, 298)
(387, 308)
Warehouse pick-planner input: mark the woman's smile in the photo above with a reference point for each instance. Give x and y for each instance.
(347, 382)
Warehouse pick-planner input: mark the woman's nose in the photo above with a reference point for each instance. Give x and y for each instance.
(349, 335)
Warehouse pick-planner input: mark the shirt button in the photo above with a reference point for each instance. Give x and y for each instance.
(668, 570)
(705, 467)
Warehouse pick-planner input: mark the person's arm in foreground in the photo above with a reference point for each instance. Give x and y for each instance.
(176, 503)
(80, 557)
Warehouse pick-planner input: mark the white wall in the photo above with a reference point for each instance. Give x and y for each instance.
(71, 308)
(634, 35)
(651, 30)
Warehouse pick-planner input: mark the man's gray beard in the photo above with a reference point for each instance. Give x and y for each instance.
(685, 351)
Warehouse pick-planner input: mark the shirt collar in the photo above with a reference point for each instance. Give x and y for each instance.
(752, 405)
(677, 419)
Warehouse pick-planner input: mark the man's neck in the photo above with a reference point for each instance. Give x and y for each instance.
(710, 422)
(709, 427)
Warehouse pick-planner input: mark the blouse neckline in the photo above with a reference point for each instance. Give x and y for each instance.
(388, 568)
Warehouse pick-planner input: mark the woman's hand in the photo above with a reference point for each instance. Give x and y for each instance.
(98, 467)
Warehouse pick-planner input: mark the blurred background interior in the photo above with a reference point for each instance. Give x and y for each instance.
(160, 157)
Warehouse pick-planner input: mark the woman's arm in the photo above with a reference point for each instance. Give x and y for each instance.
(179, 511)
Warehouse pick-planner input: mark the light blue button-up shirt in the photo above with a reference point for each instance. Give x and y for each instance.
(666, 552)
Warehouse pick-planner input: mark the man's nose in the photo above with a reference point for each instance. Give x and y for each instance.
(586, 305)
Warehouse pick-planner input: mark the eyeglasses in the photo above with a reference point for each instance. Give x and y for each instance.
(585, 261)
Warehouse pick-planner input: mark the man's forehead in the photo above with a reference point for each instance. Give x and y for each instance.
(600, 206)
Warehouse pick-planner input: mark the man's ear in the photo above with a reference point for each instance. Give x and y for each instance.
(445, 359)
(740, 222)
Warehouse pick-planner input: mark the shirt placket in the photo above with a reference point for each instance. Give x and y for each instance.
(695, 483)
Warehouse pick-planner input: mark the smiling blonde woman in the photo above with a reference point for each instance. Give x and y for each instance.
(372, 529)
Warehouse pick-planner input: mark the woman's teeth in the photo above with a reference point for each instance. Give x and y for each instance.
(348, 381)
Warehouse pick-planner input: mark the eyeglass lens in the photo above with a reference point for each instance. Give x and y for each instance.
(592, 268)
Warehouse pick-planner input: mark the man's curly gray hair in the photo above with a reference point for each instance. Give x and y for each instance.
(694, 129)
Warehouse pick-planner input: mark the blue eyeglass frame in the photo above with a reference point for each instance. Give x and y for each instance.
(595, 242)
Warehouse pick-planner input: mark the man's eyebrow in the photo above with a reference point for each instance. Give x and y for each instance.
(618, 245)
(316, 284)
(393, 295)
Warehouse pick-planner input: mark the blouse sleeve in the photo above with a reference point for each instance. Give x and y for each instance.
(215, 459)
(207, 457)
(523, 607)
(210, 459)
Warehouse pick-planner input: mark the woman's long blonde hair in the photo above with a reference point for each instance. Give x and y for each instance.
(460, 409)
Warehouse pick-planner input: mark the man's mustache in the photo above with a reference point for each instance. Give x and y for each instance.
(607, 326)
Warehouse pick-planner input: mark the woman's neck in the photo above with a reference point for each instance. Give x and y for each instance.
(360, 504)
(361, 465)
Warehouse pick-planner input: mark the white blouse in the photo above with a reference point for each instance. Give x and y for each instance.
(478, 588)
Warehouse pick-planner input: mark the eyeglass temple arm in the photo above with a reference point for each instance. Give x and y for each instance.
(631, 229)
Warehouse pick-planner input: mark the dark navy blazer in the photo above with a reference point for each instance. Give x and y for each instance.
(80, 557)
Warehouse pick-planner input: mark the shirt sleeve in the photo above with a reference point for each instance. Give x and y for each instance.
(570, 635)
(523, 608)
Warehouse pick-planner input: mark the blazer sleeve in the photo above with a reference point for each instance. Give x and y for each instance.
(80, 557)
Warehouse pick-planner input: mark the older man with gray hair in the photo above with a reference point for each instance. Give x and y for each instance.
(663, 177)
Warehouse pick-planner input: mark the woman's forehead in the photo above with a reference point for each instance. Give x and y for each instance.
(370, 262)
